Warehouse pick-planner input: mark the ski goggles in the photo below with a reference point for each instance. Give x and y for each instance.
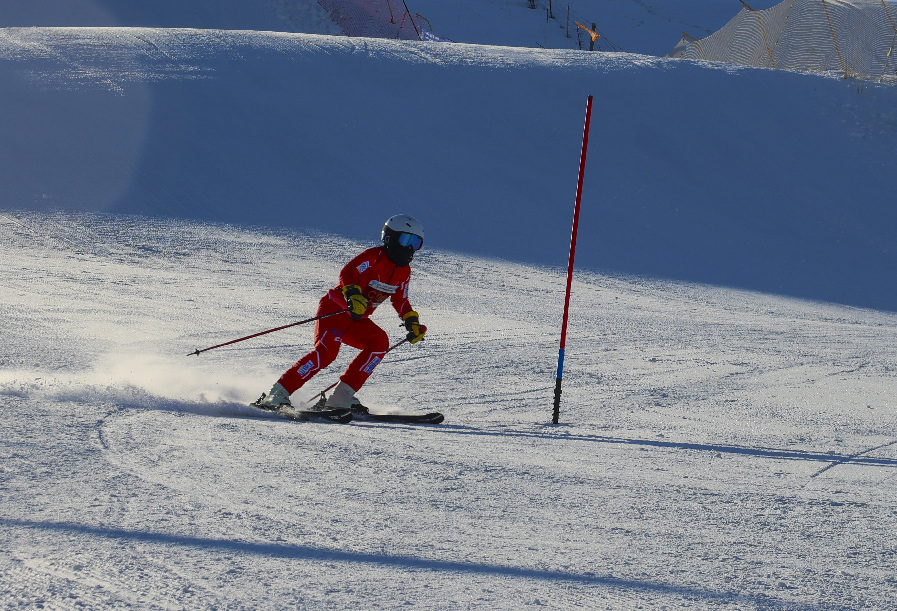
(409, 239)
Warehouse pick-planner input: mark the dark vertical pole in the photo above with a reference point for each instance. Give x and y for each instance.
(582, 173)
(414, 25)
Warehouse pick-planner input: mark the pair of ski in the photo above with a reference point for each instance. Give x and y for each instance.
(343, 415)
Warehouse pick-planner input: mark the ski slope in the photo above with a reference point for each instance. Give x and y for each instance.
(749, 178)
(727, 428)
(718, 448)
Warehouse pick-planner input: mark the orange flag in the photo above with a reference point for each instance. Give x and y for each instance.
(593, 34)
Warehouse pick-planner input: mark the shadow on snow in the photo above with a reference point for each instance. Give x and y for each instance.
(399, 561)
(778, 454)
(232, 410)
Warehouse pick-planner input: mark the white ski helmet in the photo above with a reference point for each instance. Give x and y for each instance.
(402, 236)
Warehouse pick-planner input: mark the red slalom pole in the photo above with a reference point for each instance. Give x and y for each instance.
(582, 173)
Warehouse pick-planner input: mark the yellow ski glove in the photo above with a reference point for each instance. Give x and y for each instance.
(357, 302)
(416, 331)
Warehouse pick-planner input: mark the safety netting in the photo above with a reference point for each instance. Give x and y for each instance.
(374, 18)
(857, 38)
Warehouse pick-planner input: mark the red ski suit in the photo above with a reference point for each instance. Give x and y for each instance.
(380, 279)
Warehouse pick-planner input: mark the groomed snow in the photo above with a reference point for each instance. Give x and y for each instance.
(727, 435)
(718, 449)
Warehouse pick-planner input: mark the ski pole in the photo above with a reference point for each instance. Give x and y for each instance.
(323, 394)
(301, 322)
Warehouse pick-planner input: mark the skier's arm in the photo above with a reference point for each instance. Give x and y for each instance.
(411, 318)
(350, 280)
(400, 300)
(351, 273)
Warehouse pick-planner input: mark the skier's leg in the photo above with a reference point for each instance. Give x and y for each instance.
(326, 348)
(373, 342)
(328, 339)
(325, 351)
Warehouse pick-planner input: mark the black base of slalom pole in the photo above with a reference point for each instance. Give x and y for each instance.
(557, 401)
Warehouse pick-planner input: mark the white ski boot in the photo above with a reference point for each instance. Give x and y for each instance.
(274, 400)
(344, 397)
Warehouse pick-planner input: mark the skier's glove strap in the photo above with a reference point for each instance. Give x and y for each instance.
(358, 303)
(416, 331)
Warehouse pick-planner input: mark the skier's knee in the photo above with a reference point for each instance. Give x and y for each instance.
(378, 341)
(328, 348)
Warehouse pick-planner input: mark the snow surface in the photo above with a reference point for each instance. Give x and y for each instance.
(728, 426)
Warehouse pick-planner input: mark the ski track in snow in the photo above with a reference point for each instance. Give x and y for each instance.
(717, 449)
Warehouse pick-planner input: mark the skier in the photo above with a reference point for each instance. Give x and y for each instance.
(375, 275)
